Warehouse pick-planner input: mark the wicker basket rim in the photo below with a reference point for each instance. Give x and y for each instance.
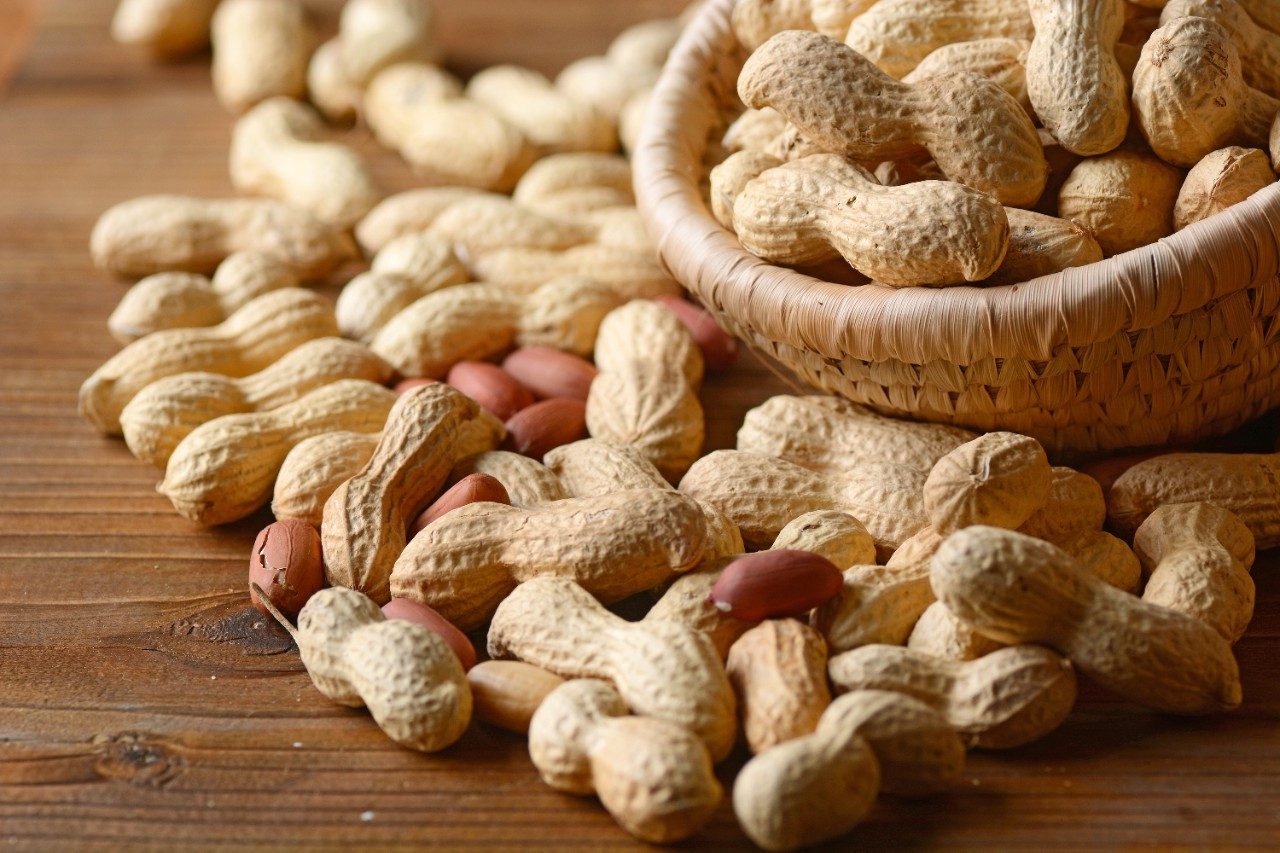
(1136, 290)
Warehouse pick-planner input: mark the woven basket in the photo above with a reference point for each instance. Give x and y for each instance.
(1171, 343)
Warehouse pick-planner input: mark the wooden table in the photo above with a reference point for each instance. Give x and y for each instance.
(142, 704)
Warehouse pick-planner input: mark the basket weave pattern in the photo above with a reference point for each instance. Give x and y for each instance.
(1170, 343)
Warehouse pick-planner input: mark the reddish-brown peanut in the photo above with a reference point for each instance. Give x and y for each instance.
(471, 489)
(287, 565)
(549, 372)
(496, 390)
(775, 583)
(546, 425)
(421, 614)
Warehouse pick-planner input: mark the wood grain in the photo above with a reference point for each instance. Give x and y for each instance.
(141, 705)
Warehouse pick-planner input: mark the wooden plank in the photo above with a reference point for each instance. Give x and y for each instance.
(141, 704)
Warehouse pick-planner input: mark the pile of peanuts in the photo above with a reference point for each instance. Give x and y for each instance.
(482, 436)
(946, 142)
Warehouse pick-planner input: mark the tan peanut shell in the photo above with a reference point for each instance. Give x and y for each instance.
(898, 34)
(158, 233)
(1020, 590)
(476, 321)
(1254, 41)
(730, 177)
(876, 604)
(762, 494)
(506, 693)
(374, 34)
(603, 85)
(178, 300)
(835, 535)
(247, 341)
(1043, 245)
(646, 393)
(840, 101)
(783, 798)
(938, 633)
(1008, 698)
(314, 468)
(260, 50)
(1076, 86)
(407, 269)
(655, 778)
(832, 434)
(405, 674)
(629, 274)
(1003, 60)
(1125, 199)
(226, 468)
(645, 45)
(166, 411)
(365, 519)
(328, 87)
(1197, 557)
(477, 225)
(753, 130)
(631, 120)
(278, 150)
(1073, 507)
(575, 183)
(465, 563)
(622, 227)
(779, 671)
(551, 120)
(528, 482)
(1107, 557)
(166, 29)
(1243, 483)
(661, 669)
(458, 142)
(1223, 178)
(999, 479)
(591, 468)
(403, 97)
(918, 751)
(756, 21)
(408, 212)
(1190, 96)
(809, 210)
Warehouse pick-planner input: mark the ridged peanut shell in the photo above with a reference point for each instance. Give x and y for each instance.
(1197, 559)
(408, 212)
(762, 494)
(1224, 178)
(443, 328)
(631, 275)
(158, 233)
(166, 411)
(613, 546)
(365, 519)
(831, 434)
(1008, 698)
(1043, 245)
(590, 468)
(1020, 590)
(898, 34)
(918, 751)
(661, 669)
(938, 633)
(840, 101)
(779, 671)
(225, 469)
(931, 232)
(1078, 89)
(1125, 199)
(314, 468)
(999, 479)
(528, 482)
(1000, 59)
(247, 341)
(550, 119)
(1247, 484)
